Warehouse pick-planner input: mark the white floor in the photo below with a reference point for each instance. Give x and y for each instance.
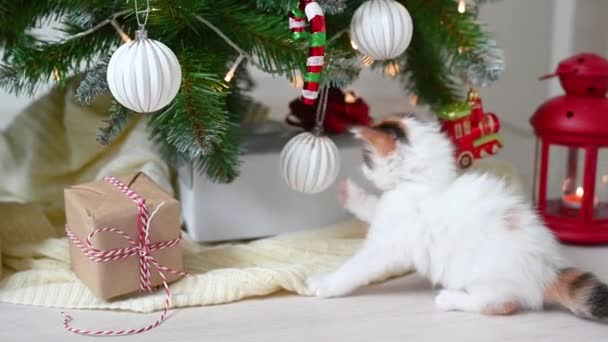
(399, 310)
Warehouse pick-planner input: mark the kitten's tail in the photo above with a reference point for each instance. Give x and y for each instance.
(580, 292)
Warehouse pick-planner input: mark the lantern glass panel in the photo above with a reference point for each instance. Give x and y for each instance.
(601, 185)
(565, 181)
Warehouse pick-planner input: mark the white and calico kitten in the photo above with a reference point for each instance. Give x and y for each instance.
(471, 234)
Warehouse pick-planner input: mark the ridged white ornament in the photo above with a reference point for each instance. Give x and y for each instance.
(310, 163)
(144, 75)
(381, 29)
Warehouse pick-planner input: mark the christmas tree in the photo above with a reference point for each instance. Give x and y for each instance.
(449, 49)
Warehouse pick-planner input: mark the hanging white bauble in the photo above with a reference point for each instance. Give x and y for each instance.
(310, 163)
(381, 29)
(144, 75)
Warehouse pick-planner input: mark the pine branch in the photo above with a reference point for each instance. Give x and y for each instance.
(223, 163)
(118, 118)
(341, 71)
(33, 65)
(446, 47)
(18, 17)
(256, 32)
(94, 83)
(483, 65)
(472, 56)
(424, 66)
(197, 125)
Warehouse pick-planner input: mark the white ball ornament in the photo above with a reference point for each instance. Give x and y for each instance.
(381, 29)
(144, 75)
(310, 163)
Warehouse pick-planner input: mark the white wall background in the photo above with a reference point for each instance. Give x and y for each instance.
(535, 35)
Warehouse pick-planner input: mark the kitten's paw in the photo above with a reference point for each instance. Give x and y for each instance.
(324, 286)
(449, 300)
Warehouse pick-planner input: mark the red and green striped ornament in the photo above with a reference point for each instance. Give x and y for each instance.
(308, 10)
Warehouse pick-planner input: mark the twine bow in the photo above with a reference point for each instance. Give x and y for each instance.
(141, 248)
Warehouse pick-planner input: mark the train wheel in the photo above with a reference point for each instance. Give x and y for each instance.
(465, 159)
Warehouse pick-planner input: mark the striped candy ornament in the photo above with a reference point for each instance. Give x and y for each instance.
(308, 10)
(141, 248)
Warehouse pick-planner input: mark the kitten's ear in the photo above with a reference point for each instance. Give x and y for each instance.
(382, 142)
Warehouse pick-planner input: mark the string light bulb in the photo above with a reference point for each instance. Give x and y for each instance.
(367, 60)
(230, 74)
(56, 74)
(354, 45)
(350, 97)
(462, 6)
(413, 100)
(392, 69)
(297, 81)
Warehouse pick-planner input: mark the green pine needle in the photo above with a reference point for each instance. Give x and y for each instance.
(118, 118)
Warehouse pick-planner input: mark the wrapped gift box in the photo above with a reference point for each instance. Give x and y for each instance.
(102, 205)
(259, 203)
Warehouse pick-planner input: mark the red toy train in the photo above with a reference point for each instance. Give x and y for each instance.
(473, 132)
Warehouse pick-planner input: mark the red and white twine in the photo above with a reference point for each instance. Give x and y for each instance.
(141, 248)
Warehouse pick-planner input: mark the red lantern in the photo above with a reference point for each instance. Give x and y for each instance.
(571, 181)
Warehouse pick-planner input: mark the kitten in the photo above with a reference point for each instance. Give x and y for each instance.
(471, 234)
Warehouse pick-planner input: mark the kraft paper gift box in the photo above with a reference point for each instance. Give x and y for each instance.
(101, 204)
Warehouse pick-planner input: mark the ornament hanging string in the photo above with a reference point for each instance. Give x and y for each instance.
(317, 38)
(321, 111)
(141, 22)
(141, 248)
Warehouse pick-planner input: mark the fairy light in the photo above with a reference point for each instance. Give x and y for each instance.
(297, 81)
(392, 69)
(350, 97)
(462, 6)
(354, 45)
(56, 74)
(367, 60)
(413, 100)
(230, 74)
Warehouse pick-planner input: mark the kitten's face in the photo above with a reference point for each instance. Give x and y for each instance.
(404, 149)
(382, 158)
